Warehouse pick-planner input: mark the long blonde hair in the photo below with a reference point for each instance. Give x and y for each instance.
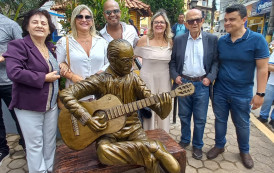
(167, 34)
(77, 10)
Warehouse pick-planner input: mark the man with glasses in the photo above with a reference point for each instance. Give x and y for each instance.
(194, 59)
(240, 52)
(115, 29)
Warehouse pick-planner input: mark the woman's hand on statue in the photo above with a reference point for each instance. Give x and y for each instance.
(75, 78)
(100, 71)
(64, 68)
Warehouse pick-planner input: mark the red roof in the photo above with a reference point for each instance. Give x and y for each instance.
(139, 5)
(130, 4)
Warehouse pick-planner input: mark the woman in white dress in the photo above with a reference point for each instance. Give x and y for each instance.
(155, 50)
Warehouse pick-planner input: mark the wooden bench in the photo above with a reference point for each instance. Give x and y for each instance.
(69, 161)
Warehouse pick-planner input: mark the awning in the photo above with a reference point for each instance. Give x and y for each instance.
(55, 14)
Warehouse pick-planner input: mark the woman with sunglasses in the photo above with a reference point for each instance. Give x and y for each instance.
(155, 50)
(87, 51)
(32, 66)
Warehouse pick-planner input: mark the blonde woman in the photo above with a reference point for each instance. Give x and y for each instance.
(155, 49)
(87, 51)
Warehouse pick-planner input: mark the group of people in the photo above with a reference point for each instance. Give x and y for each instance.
(98, 65)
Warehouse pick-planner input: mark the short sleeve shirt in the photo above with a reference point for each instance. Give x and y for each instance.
(238, 62)
(9, 30)
(129, 34)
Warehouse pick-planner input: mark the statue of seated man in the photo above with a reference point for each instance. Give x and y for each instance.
(129, 145)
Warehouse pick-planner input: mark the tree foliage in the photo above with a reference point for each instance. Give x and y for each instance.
(15, 9)
(96, 7)
(172, 7)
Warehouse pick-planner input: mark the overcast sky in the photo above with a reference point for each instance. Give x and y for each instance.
(217, 3)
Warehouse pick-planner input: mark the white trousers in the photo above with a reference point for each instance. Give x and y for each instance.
(39, 130)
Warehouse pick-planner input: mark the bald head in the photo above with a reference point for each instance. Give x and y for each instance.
(192, 12)
(111, 3)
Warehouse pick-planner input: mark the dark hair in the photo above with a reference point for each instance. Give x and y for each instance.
(237, 7)
(31, 13)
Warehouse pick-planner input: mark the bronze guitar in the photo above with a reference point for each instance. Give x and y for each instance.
(77, 137)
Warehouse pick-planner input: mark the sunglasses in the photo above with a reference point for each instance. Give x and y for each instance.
(80, 17)
(191, 22)
(108, 12)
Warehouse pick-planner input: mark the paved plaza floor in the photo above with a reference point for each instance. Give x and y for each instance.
(261, 149)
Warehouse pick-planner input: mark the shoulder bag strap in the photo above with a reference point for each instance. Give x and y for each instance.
(67, 48)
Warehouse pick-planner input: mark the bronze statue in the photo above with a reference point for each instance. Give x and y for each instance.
(129, 145)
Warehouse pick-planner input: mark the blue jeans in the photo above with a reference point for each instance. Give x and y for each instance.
(239, 108)
(268, 99)
(198, 105)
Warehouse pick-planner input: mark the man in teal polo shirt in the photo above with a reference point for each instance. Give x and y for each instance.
(240, 52)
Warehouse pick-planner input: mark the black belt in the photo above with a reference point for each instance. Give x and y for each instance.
(193, 79)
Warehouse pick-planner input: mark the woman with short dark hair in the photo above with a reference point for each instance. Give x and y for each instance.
(33, 68)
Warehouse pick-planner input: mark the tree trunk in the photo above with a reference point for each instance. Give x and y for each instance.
(270, 27)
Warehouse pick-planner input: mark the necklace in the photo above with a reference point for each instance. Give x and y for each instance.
(43, 50)
(162, 44)
(85, 42)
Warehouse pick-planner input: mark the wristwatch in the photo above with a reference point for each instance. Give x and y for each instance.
(260, 94)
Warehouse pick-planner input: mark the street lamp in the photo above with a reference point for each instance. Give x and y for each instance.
(193, 4)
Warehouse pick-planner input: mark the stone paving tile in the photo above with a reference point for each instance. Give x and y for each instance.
(232, 149)
(204, 170)
(227, 165)
(17, 163)
(17, 171)
(212, 165)
(26, 168)
(195, 163)
(221, 171)
(18, 155)
(231, 157)
(263, 159)
(190, 169)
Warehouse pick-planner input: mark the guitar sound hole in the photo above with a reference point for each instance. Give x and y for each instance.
(101, 113)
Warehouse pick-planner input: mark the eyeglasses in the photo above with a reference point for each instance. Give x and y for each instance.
(191, 22)
(159, 22)
(80, 17)
(108, 12)
(126, 60)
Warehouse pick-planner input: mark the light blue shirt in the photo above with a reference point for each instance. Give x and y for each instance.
(193, 63)
(180, 30)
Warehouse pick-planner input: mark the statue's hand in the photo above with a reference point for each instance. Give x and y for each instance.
(166, 105)
(97, 122)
